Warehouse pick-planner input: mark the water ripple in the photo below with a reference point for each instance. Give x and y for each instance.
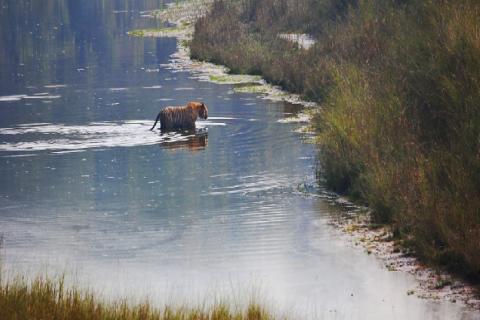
(61, 137)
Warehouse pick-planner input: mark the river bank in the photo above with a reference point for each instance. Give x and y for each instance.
(432, 284)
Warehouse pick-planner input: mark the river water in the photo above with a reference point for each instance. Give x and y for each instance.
(232, 210)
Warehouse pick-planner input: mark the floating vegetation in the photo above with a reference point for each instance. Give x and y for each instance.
(235, 78)
(158, 32)
(255, 88)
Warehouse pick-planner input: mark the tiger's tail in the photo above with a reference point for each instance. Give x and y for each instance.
(156, 120)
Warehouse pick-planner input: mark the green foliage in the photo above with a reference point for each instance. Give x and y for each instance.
(399, 81)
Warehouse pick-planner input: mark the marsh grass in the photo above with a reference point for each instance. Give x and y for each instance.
(50, 298)
(399, 82)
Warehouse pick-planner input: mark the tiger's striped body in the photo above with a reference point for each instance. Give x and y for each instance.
(172, 118)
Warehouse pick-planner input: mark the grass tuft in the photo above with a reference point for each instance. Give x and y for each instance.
(51, 298)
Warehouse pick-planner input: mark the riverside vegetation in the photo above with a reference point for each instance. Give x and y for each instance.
(399, 84)
(51, 298)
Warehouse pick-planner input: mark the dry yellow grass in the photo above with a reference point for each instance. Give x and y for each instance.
(46, 298)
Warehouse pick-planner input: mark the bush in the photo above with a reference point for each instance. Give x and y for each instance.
(399, 83)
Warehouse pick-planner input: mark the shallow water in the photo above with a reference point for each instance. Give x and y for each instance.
(226, 210)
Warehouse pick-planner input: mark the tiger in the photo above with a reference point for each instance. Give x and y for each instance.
(181, 117)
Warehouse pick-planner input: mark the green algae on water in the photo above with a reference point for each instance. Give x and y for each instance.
(235, 79)
(158, 32)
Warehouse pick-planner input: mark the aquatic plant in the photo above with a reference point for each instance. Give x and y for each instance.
(157, 32)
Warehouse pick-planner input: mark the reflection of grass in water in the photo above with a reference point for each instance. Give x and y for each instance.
(47, 298)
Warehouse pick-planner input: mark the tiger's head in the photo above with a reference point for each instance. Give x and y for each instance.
(200, 108)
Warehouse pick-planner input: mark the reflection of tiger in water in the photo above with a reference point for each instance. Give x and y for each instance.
(193, 143)
(181, 117)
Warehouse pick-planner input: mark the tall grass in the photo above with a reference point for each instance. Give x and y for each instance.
(399, 82)
(48, 298)
(403, 123)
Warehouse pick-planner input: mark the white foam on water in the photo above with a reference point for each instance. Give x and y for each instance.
(18, 97)
(42, 96)
(53, 86)
(152, 87)
(67, 151)
(209, 123)
(61, 138)
(117, 89)
(32, 124)
(19, 155)
(15, 97)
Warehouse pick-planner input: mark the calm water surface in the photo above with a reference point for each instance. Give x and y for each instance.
(86, 187)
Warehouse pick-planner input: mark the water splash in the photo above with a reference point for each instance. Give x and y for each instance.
(106, 134)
